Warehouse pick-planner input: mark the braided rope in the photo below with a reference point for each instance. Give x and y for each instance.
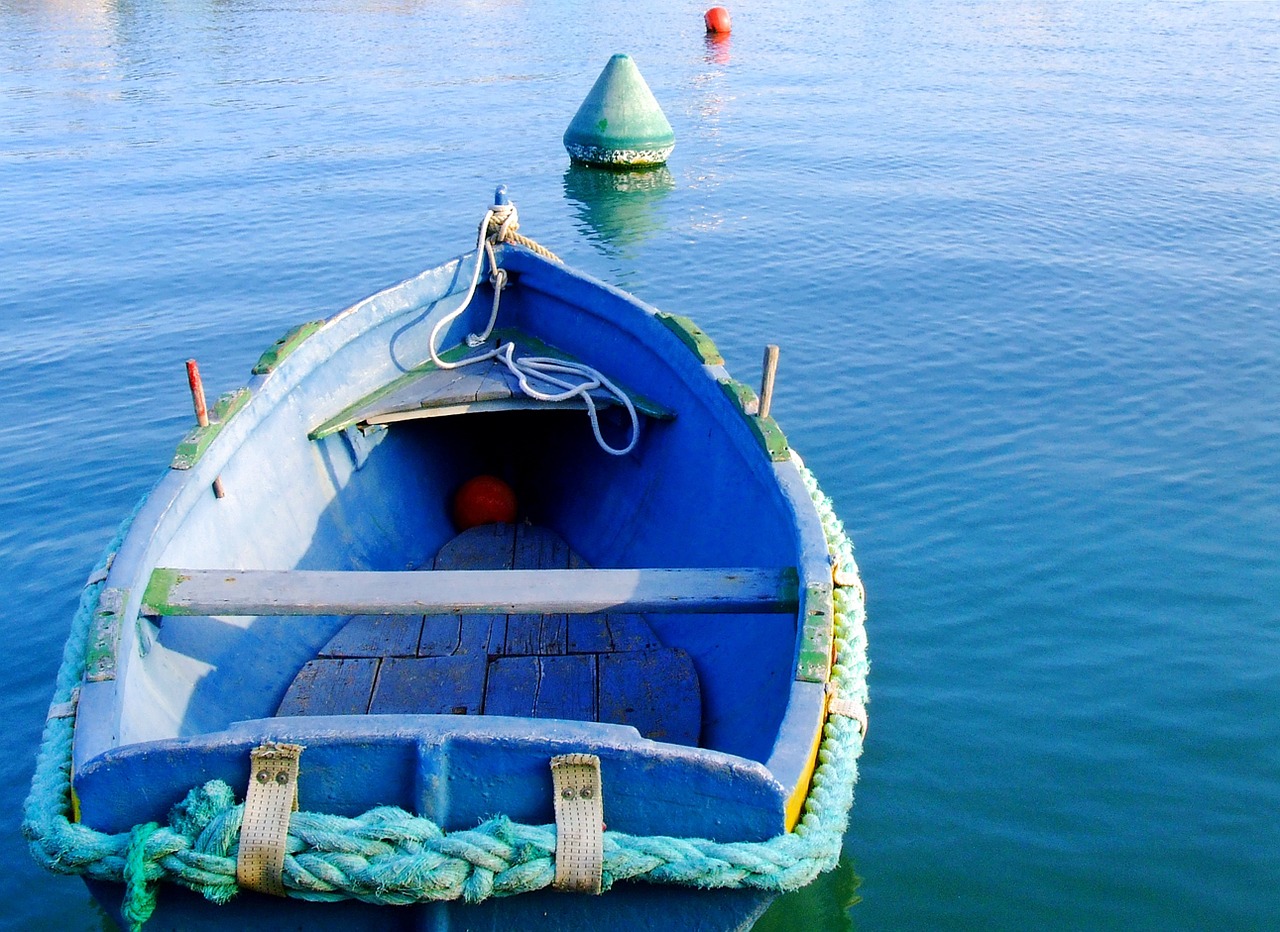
(502, 226)
(389, 856)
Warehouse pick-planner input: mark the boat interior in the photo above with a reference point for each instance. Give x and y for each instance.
(362, 482)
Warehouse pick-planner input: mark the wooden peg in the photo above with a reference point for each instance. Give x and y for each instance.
(766, 381)
(202, 412)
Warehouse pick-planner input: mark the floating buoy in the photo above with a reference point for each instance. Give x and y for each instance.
(717, 20)
(484, 500)
(620, 124)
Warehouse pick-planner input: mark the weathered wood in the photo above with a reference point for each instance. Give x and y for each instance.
(631, 632)
(655, 691)
(542, 687)
(482, 386)
(539, 548)
(331, 686)
(582, 667)
(378, 636)
(487, 547)
(769, 374)
(523, 631)
(441, 636)
(588, 634)
(482, 634)
(577, 591)
(430, 686)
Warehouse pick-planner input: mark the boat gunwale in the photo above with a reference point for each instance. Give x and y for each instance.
(178, 491)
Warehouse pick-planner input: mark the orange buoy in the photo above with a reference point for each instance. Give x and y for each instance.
(484, 500)
(717, 20)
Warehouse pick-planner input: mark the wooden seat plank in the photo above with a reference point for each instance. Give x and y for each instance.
(409, 592)
(592, 666)
(482, 386)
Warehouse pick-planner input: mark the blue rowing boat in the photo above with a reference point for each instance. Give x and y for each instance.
(491, 602)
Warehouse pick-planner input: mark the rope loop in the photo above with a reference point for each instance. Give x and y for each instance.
(498, 226)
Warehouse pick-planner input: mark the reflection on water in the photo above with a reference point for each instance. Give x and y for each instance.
(618, 208)
(823, 906)
(718, 45)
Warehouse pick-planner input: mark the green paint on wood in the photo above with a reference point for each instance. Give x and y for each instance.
(277, 352)
(766, 429)
(620, 124)
(104, 637)
(347, 417)
(771, 437)
(741, 395)
(693, 337)
(197, 441)
(817, 635)
(157, 598)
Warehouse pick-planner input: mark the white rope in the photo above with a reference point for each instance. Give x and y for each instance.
(527, 369)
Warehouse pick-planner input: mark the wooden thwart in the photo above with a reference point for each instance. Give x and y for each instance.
(449, 592)
(484, 386)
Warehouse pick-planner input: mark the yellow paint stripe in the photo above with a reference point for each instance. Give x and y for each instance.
(795, 805)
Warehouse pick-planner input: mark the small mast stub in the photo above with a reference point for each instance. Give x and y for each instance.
(620, 124)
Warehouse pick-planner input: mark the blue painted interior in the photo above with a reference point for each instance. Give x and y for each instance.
(697, 491)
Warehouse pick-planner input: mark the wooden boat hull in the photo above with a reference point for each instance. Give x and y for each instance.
(328, 470)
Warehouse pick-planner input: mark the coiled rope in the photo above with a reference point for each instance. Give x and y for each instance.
(498, 226)
(390, 856)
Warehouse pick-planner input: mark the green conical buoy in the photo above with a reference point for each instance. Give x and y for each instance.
(620, 124)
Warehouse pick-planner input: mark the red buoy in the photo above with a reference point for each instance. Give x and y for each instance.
(484, 500)
(717, 20)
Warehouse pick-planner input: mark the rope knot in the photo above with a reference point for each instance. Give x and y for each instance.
(503, 223)
(139, 896)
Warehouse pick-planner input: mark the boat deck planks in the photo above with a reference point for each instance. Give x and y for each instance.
(594, 667)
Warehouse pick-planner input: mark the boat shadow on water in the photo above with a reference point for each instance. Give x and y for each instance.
(823, 906)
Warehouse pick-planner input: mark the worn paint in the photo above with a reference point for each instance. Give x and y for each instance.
(800, 793)
(197, 441)
(817, 638)
(428, 391)
(104, 637)
(722, 591)
(276, 353)
(698, 490)
(692, 336)
(157, 597)
(620, 123)
(765, 428)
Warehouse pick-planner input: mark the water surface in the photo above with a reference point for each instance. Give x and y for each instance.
(1021, 260)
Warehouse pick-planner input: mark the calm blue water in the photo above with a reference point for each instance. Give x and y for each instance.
(1022, 260)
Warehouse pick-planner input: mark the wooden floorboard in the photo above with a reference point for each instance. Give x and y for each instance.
(604, 666)
(430, 686)
(378, 636)
(332, 686)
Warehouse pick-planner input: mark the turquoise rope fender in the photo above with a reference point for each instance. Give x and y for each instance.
(390, 856)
